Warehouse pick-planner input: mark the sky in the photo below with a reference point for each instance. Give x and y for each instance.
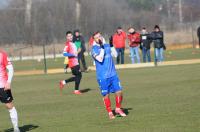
(4, 3)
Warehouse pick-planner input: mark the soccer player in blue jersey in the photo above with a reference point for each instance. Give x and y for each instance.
(106, 74)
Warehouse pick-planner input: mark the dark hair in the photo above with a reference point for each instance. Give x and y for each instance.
(95, 33)
(68, 32)
(119, 27)
(77, 30)
(156, 26)
(144, 28)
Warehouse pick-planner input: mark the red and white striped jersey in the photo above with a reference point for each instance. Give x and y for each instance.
(4, 61)
(71, 48)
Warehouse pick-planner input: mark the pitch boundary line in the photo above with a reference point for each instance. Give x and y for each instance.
(124, 66)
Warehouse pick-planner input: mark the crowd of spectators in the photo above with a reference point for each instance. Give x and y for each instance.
(139, 43)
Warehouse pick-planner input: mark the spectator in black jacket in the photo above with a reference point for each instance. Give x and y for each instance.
(198, 34)
(78, 39)
(158, 40)
(145, 45)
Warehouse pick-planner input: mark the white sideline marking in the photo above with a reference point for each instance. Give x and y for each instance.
(121, 66)
(165, 63)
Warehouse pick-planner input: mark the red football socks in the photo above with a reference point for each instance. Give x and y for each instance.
(107, 104)
(118, 100)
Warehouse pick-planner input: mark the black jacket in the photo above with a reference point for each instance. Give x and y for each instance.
(146, 41)
(198, 32)
(157, 38)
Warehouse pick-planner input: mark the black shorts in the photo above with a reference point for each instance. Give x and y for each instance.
(5, 96)
(76, 70)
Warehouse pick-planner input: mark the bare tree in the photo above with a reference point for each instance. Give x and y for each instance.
(52, 18)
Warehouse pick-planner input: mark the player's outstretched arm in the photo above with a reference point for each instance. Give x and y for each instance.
(68, 54)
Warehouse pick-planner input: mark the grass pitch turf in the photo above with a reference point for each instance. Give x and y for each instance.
(158, 99)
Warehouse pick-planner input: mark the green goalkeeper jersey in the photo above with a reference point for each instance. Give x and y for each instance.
(78, 44)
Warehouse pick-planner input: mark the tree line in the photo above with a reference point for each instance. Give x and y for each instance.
(50, 19)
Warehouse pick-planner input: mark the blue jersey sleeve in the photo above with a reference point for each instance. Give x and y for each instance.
(68, 54)
(95, 51)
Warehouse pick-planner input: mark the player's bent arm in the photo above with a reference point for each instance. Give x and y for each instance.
(68, 54)
(79, 50)
(10, 72)
(113, 52)
(100, 56)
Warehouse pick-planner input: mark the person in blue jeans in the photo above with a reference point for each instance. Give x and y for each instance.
(134, 42)
(119, 41)
(134, 52)
(159, 54)
(145, 45)
(158, 40)
(120, 52)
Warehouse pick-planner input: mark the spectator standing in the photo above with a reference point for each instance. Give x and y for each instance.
(119, 41)
(79, 40)
(90, 44)
(145, 45)
(134, 42)
(158, 40)
(198, 34)
(91, 40)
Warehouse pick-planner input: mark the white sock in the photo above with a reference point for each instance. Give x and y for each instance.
(64, 82)
(14, 117)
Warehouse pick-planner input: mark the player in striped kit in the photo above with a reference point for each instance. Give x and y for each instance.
(6, 74)
(71, 52)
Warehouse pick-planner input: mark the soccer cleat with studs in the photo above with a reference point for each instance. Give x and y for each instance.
(77, 92)
(120, 112)
(111, 115)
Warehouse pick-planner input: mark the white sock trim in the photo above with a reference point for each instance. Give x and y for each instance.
(117, 108)
(64, 82)
(14, 117)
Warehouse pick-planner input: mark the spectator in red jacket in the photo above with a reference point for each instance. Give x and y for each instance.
(91, 40)
(90, 44)
(134, 42)
(119, 41)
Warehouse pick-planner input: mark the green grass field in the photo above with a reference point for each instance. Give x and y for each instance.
(159, 99)
(182, 54)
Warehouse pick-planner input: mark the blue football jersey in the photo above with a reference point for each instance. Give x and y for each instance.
(105, 69)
